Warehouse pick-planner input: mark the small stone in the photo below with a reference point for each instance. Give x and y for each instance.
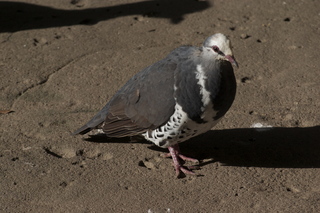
(139, 18)
(253, 112)
(293, 189)
(245, 80)
(148, 164)
(92, 153)
(106, 156)
(43, 41)
(292, 47)
(244, 36)
(128, 187)
(67, 153)
(288, 117)
(261, 40)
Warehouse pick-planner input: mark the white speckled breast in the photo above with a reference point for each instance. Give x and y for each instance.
(180, 127)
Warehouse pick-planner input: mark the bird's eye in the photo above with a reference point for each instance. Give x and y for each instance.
(215, 48)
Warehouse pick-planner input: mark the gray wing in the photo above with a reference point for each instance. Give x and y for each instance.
(145, 102)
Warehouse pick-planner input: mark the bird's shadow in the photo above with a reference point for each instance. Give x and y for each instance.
(269, 147)
(17, 16)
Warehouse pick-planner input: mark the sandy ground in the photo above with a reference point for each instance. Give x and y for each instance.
(60, 61)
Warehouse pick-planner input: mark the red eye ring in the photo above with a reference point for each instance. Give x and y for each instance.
(215, 48)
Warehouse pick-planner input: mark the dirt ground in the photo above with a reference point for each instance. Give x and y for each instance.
(60, 61)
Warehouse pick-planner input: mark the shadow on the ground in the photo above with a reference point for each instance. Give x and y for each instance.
(17, 16)
(271, 147)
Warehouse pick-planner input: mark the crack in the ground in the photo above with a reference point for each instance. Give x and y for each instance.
(47, 78)
(7, 39)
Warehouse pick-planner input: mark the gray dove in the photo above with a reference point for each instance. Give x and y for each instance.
(177, 98)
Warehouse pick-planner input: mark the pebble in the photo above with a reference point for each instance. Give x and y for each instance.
(92, 153)
(106, 156)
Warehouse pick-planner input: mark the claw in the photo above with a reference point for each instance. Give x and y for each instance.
(174, 152)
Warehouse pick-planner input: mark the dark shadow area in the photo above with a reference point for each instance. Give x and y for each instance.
(272, 147)
(17, 16)
(102, 138)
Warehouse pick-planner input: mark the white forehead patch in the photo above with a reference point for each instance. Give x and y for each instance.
(220, 41)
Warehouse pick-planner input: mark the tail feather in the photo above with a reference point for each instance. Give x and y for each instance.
(93, 123)
(82, 130)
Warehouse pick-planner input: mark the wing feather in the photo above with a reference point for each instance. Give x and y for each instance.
(145, 102)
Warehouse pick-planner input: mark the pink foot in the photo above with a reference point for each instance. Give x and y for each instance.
(174, 152)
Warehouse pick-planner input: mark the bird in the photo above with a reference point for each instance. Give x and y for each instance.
(177, 98)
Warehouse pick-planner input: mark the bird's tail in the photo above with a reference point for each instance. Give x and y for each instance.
(82, 130)
(95, 122)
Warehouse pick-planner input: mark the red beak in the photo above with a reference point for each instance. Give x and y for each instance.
(232, 60)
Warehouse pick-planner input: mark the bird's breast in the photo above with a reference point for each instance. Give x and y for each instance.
(207, 112)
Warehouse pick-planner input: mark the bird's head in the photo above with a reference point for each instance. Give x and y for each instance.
(218, 46)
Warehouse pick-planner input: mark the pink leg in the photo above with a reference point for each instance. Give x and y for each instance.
(174, 152)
